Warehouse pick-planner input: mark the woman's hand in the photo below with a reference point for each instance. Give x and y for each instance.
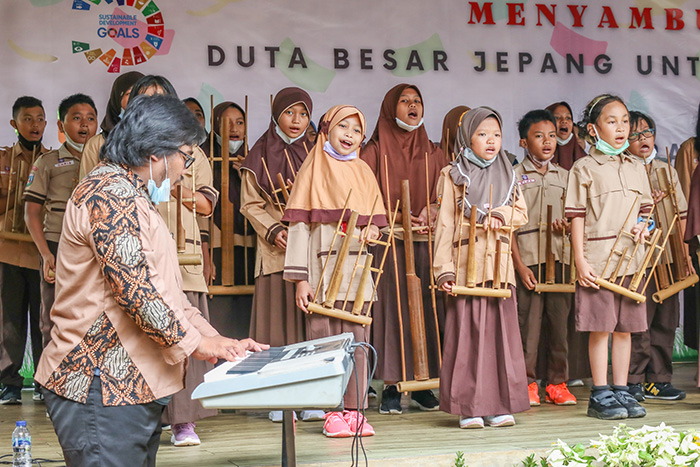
(447, 287)
(371, 232)
(585, 275)
(281, 240)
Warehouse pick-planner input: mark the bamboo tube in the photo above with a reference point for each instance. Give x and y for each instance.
(637, 277)
(550, 273)
(662, 295)
(245, 139)
(487, 226)
(481, 291)
(285, 193)
(330, 248)
(619, 236)
(363, 243)
(411, 386)
(471, 249)
(433, 298)
(333, 313)
(380, 271)
(272, 186)
(180, 232)
(497, 266)
(364, 277)
(227, 258)
(638, 297)
(336, 279)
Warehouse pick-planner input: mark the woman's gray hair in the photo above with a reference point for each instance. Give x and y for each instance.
(152, 125)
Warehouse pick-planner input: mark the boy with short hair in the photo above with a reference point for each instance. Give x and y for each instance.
(19, 258)
(50, 184)
(543, 184)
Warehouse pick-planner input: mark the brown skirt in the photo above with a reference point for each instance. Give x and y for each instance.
(275, 320)
(182, 409)
(483, 368)
(605, 311)
(318, 326)
(386, 338)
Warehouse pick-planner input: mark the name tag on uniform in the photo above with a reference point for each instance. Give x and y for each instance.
(63, 163)
(526, 179)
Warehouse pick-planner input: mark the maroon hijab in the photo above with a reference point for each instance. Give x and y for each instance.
(405, 151)
(272, 148)
(569, 153)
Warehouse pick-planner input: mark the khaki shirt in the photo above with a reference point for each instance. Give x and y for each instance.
(91, 154)
(447, 237)
(666, 210)
(119, 303)
(603, 189)
(198, 175)
(265, 217)
(540, 191)
(305, 260)
(15, 166)
(51, 183)
(686, 162)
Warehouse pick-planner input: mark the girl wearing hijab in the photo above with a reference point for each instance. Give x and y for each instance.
(397, 150)
(118, 98)
(450, 127)
(569, 149)
(315, 205)
(483, 378)
(235, 116)
(275, 317)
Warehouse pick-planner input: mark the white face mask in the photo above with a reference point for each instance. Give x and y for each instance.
(651, 157)
(159, 194)
(286, 138)
(73, 144)
(562, 142)
(233, 145)
(405, 126)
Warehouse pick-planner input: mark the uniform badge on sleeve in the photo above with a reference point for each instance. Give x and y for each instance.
(30, 179)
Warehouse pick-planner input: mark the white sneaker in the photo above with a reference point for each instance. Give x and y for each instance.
(471, 422)
(574, 383)
(276, 416)
(312, 415)
(499, 420)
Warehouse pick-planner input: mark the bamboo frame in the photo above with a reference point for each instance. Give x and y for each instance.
(13, 227)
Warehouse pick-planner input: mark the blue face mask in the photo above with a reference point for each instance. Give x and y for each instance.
(159, 194)
(605, 147)
(121, 113)
(476, 160)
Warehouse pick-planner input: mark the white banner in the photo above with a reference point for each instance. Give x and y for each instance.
(513, 56)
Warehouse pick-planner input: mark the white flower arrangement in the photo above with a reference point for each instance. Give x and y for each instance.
(659, 446)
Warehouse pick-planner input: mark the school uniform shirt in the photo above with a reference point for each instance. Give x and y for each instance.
(539, 191)
(686, 162)
(603, 190)
(16, 164)
(665, 210)
(199, 176)
(265, 217)
(51, 182)
(119, 307)
(91, 154)
(447, 236)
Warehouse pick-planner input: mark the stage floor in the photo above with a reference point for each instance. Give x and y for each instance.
(414, 438)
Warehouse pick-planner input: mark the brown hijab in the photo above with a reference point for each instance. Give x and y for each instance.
(114, 106)
(450, 128)
(271, 147)
(570, 152)
(692, 226)
(323, 182)
(405, 153)
(218, 111)
(479, 180)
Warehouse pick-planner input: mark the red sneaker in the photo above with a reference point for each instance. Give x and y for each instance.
(354, 418)
(533, 392)
(559, 394)
(335, 426)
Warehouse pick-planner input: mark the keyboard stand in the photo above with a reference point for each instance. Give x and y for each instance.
(289, 450)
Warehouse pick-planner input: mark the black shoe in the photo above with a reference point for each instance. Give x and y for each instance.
(425, 400)
(391, 401)
(663, 391)
(634, 410)
(11, 395)
(371, 393)
(637, 391)
(605, 406)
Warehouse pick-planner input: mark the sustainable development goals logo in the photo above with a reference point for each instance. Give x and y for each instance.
(126, 32)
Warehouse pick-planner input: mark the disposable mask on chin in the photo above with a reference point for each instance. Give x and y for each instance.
(606, 148)
(159, 194)
(405, 126)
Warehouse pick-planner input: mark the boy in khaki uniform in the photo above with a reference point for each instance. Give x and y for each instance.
(19, 258)
(50, 184)
(543, 184)
(651, 367)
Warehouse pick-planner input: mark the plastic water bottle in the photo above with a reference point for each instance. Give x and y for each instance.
(21, 445)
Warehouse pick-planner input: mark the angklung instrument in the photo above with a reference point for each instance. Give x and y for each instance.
(674, 273)
(499, 287)
(624, 258)
(331, 294)
(14, 227)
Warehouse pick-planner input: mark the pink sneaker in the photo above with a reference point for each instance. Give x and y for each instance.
(184, 435)
(354, 418)
(335, 426)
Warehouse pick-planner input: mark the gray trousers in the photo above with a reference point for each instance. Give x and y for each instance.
(91, 434)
